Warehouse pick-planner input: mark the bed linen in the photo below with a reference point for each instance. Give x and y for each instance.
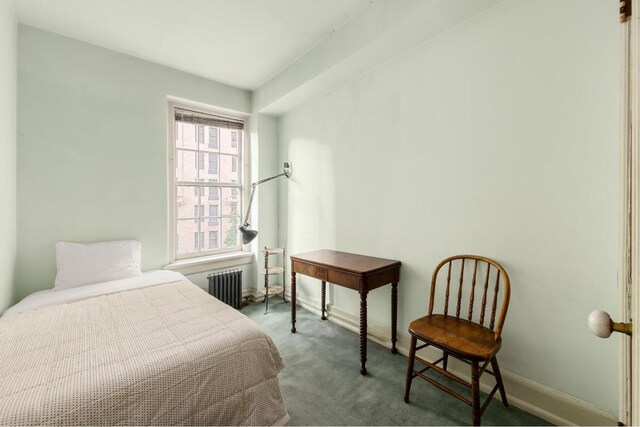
(136, 353)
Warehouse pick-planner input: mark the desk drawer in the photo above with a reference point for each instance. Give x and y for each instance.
(317, 271)
(328, 275)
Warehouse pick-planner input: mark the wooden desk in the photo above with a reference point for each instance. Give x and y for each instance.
(358, 272)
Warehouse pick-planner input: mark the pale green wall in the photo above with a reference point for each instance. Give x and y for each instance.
(265, 209)
(92, 148)
(8, 37)
(499, 137)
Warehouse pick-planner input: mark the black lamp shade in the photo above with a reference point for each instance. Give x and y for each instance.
(247, 234)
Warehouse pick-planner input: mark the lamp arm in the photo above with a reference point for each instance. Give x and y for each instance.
(268, 179)
(253, 191)
(246, 217)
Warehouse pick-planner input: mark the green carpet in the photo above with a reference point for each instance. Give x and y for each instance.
(322, 385)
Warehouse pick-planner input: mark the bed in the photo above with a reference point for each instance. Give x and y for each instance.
(149, 350)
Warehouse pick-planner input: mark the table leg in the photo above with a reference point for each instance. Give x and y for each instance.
(266, 284)
(394, 317)
(363, 332)
(324, 291)
(293, 301)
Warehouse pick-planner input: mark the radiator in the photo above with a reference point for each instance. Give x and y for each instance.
(227, 287)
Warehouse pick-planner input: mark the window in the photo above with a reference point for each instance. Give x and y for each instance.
(208, 172)
(213, 215)
(200, 134)
(213, 164)
(213, 138)
(213, 240)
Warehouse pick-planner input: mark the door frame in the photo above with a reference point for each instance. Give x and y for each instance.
(629, 253)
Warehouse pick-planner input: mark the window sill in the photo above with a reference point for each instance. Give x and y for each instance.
(212, 262)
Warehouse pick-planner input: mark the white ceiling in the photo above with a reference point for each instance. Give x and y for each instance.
(242, 43)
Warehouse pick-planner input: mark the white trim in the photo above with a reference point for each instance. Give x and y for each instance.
(545, 402)
(203, 258)
(213, 262)
(632, 139)
(625, 267)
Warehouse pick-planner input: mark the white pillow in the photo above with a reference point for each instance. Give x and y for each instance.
(85, 264)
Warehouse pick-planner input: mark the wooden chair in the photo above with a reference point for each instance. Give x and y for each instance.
(468, 341)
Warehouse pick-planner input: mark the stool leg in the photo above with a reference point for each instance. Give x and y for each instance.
(266, 282)
(496, 370)
(412, 358)
(475, 393)
(324, 291)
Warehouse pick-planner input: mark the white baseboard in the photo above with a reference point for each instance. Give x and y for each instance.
(545, 402)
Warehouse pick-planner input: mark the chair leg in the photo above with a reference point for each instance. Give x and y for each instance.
(496, 371)
(412, 358)
(445, 359)
(475, 393)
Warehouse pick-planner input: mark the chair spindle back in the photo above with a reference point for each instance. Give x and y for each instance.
(500, 283)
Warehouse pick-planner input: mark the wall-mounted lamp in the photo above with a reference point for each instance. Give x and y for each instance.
(247, 234)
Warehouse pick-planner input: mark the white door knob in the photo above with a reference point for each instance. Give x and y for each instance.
(601, 324)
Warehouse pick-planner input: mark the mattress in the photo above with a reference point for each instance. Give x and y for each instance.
(151, 351)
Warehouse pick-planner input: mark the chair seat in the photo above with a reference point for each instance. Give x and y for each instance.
(457, 336)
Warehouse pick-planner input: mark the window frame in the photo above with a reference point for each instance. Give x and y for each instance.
(244, 184)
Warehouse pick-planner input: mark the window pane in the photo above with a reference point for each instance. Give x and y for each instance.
(229, 143)
(213, 214)
(186, 165)
(201, 134)
(230, 203)
(185, 135)
(213, 166)
(198, 241)
(186, 232)
(198, 212)
(214, 240)
(213, 193)
(210, 224)
(229, 232)
(187, 202)
(227, 173)
(213, 138)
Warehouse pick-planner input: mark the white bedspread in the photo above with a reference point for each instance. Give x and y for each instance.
(53, 296)
(136, 353)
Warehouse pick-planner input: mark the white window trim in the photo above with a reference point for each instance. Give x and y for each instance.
(205, 261)
(211, 262)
